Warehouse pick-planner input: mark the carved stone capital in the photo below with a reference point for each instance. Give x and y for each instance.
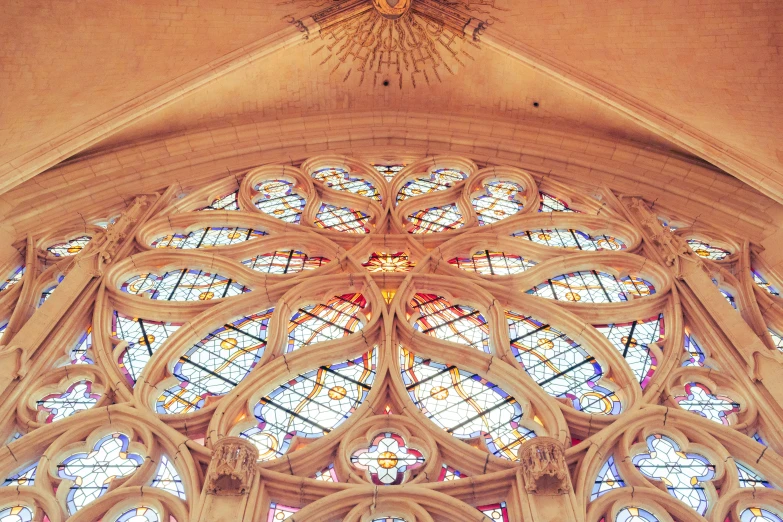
(544, 467)
(232, 468)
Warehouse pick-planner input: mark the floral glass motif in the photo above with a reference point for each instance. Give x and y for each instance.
(632, 340)
(486, 262)
(328, 474)
(388, 171)
(16, 514)
(208, 237)
(439, 179)
(143, 336)
(499, 202)
(697, 357)
(571, 238)
(326, 321)
(456, 323)
(342, 219)
(550, 203)
(496, 512)
(13, 278)
(591, 286)
(341, 179)
(464, 404)
(227, 202)
(284, 262)
(447, 474)
(76, 398)
(559, 365)
(186, 284)
(756, 514)
(386, 262)
(702, 249)
(682, 473)
(436, 219)
(279, 512)
(777, 339)
(608, 478)
(749, 478)
(310, 405)
(168, 479)
(635, 514)
(763, 284)
(47, 293)
(700, 400)
(139, 514)
(216, 364)
(23, 477)
(92, 473)
(387, 459)
(70, 247)
(278, 199)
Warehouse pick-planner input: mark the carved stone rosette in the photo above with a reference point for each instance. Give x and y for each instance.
(544, 466)
(232, 468)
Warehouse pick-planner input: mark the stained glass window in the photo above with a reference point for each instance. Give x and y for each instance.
(325, 321)
(485, 262)
(465, 404)
(756, 514)
(207, 238)
(139, 514)
(310, 405)
(389, 171)
(387, 459)
(700, 400)
(216, 364)
(729, 298)
(284, 262)
(749, 478)
(682, 473)
(550, 203)
(436, 219)
(186, 284)
(70, 247)
(23, 477)
(77, 397)
(558, 364)
(92, 473)
(143, 336)
(341, 179)
(226, 202)
(80, 353)
(439, 179)
(608, 478)
(571, 238)
(702, 249)
(167, 478)
(632, 340)
(496, 512)
(386, 262)
(499, 202)
(342, 219)
(591, 286)
(3, 326)
(279, 512)
(47, 293)
(278, 199)
(635, 514)
(328, 474)
(697, 355)
(16, 514)
(447, 474)
(456, 323)
(777, 339)
(14, 277)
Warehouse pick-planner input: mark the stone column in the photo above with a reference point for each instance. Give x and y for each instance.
(547, 492)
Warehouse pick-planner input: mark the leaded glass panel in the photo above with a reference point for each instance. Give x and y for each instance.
(278, 199)
(334, 319)
(439, 179)
(143, 336)
(498, 203)
(591, 286)
(341, 179)
(762, 283)
(455, 323)
(436, 219)
(187, 284)
(632, 340)
(550, 203)
(608, 478)
(14, 277)
(208, 237)
(226, 202)
(485, 262)
(342, 219)
(389, 262)
(70, 247)
(284, 262)
(571, 238)
(703, 249)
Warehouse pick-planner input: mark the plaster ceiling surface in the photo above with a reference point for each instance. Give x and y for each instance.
(713, 64)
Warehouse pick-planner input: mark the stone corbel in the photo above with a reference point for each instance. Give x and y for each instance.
(544, 468)
(232, 468)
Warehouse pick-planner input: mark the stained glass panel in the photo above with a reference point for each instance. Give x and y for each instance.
(635, 514)
(167, 478)
(70, 247)
(608, 478)
(389, 171)
(139, 514)
(465, 404)
(436, 219)
(342, 219)
(14, 277)
(749, 478)
(310, 405)
(456, 323)
(496, 512)
(226, 202)
(439, 179)
(385, 262)
(279, 512)
(284, 262)
(571, 238)
(387, 459)
(186, 284)
(700, 400)
(499, 202)
(485, 262)
(80, 353)
(756, 514)
(328, 474)
(447, 474)
(695, 352)
(702, 249)
(207, 238)
(278, 199)
(23, 477)
(47, 293)
(632, 340)
(550, 203)
(341, 179)
(76, 398)
(3, 326)
(143, 336)
(591, 286)
(334, 319)
(762, 283)
(16, 514)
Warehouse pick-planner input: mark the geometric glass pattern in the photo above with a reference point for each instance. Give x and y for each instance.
(485, 262)
(310, 405)
(439, 179)
(559, 365)
(207, 237)
(571, 238)
(435, 219)
(385, 262)
(279, 512)
(328, 474)
(284, 262)
(168, 479)
(76, 398)
(13, 278)
(92, 473)
(681, 472)
(447, 473)
(70, 247)
(498, 202)
(756, 514)
(455, 323)
(387, 459)
(495, 512)
(699, 399)
(326, 321)
(388, 171)
(591, 286)
(340, 179)
(227, 202)
(608, 479)
(23, 477)
(185, 284)
(550, 203)
(16, 514)
(702, 249)
(697, 355)
(749, 478)
(464, 404)
(762, 283)
(635, 514)
(79, 353)
(632, 341)
(216, 364)
(143, 336)
(279, 201)
(139, 514)
(342, 219)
